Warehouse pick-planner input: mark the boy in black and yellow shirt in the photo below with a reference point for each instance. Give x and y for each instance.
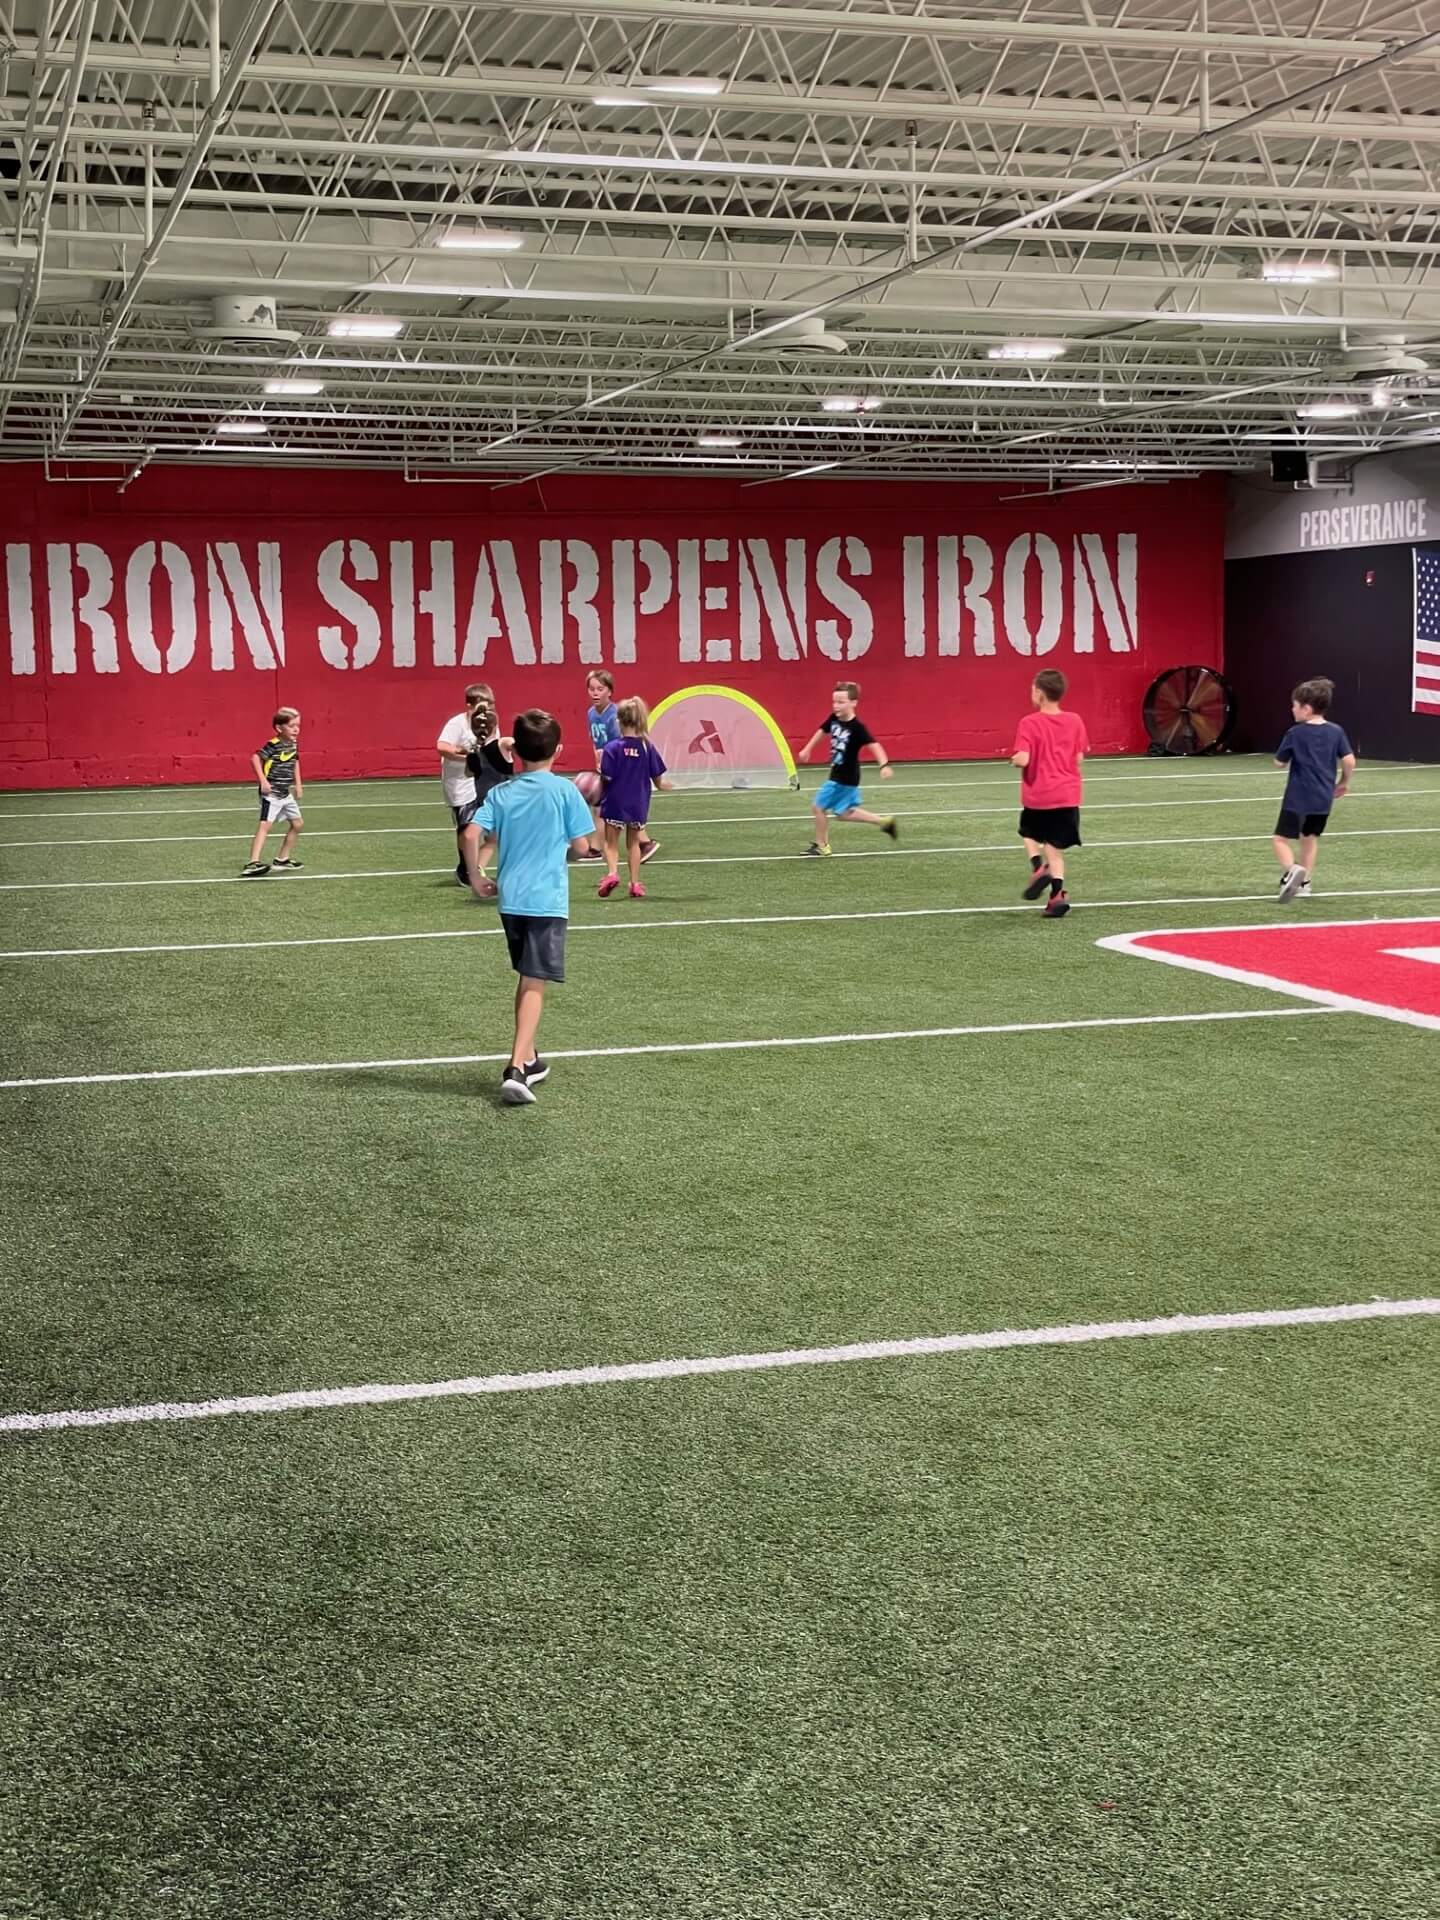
(277, 769)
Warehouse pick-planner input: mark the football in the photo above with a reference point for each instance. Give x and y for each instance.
(589, 785)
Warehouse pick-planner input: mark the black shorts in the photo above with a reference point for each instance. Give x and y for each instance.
(1057, 827)
(1292, 826)
(537, 946)
(465, 816)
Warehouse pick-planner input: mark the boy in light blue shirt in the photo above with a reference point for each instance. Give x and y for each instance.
(536, 818)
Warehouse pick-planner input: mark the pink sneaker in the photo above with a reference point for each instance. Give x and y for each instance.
(608, 885)
(637, 892)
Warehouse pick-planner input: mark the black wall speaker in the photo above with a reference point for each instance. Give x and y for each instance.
(1291, 467)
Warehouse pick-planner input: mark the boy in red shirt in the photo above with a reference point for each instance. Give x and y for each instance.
(1049, 746)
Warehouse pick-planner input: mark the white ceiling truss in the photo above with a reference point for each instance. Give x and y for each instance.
(926, 181)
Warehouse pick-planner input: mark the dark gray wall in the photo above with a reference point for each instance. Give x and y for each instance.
(1292, 615)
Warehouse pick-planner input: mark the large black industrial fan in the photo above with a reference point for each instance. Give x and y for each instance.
(1189, 710)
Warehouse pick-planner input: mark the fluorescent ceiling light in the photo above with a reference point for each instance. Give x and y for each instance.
(697, 86)
(1125, 466)
(480, 240)
(364, 326)
(241, 428)
(1027, 350)
(295, 386)
(620, 100)
(850, 403)
(721, 440)
(1328, 410)
(1300, 273)
(805, 472)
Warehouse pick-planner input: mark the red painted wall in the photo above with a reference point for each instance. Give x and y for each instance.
(148, 636)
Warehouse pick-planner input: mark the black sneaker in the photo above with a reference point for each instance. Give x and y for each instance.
(536, 1071)
(253, 869)
(816, 848)
(515, 1088)
(891, 826)
(1039, 880)
(288, 866)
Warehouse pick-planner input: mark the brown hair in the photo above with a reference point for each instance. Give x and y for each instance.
(1051, 682)
(633, 715)
(852, 687)
(599, 673)
(1315, 694)
(537, 735)
(282, 715)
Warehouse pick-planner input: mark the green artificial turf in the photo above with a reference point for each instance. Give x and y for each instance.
(1134, 1631)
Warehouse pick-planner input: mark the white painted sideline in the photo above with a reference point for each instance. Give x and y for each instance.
(659, 1047)
(1001, 778)
(624, 1373)
(623, 924)
(887, 852)
(797, 816)
(1228, 768)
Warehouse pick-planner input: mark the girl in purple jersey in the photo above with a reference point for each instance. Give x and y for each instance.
(630, 769)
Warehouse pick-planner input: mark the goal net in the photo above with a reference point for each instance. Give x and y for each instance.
(715, 737)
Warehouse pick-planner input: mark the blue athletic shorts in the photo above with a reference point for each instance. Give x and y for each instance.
(833, 798)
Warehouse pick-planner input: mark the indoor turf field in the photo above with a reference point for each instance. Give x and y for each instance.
(1132, 1628)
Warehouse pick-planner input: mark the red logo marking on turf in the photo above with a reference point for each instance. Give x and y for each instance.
(1386, 967)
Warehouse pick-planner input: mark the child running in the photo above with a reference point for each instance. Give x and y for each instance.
(631, 769)
(1322, 765)
(602, 718)
(534, 817)
(277, 770)
(1049, 746)
(840, 794)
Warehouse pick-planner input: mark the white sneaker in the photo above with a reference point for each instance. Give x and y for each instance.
(1294, 880)
(1304, 893)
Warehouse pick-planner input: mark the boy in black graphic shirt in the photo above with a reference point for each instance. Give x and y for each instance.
(277, 771)
(846, 734)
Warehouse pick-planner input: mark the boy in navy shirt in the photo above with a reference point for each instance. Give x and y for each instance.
(1321, 764)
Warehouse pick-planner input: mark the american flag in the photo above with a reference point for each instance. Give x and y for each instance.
(1426, 684)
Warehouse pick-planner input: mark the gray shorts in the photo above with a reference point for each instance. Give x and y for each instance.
(537, 946)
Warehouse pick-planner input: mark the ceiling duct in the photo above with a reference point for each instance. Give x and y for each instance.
(1381, 359)
(248, 319)
(796, 339)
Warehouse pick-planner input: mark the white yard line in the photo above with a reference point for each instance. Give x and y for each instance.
(625, 1373)
(796, 817)
(887, 852)
(1002, 781)
(661, 1047)
(623, 924)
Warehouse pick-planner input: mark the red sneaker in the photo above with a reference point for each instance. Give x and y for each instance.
(1057, 906)
(608, 885)
(1039, 881)
(637, 892)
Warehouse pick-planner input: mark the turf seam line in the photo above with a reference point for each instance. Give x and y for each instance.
(796, 818)
(627, 1372)
(706, 860)
(768, 1044)
(624, 925)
